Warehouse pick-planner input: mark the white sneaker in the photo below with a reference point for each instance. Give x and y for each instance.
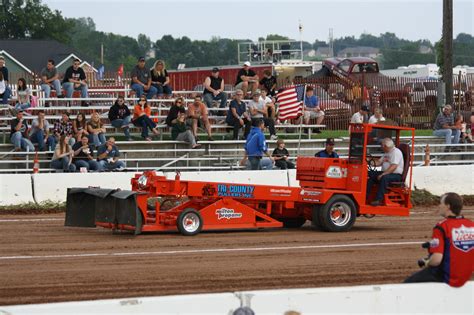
(273, 137)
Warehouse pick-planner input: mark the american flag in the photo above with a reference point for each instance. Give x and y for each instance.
(290, 100)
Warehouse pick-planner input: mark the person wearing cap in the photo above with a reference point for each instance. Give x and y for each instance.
(258, 111)
(19, 133)
(214, 89)
(160, 79)
(360, 117)
(328, 151)
(246, 79)
(444, 126)
(75, 79)
(141, 80)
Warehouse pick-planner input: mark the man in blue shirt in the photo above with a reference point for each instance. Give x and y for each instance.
(237, 115)
(328, 151)
(312, 109)
(256, 146)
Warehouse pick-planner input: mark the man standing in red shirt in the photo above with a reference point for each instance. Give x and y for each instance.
(451, 248)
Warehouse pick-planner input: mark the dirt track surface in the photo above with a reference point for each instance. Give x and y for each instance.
(43, 261)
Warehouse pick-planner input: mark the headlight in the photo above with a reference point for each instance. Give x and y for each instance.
(142, 182)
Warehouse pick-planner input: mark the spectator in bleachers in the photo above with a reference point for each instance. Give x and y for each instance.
(237, 115)
(259, 111)
(360, 117)
(180, 132)
(62, 157)
(280, 155)
(160, 79)
(39, 133)
(246, 79)
(459, 123)
(79, 126)
(50, 80)
(19, 133)
(197, 112)
(64, 126)
(96, 130)
(75, 79)
(141, 80)
(377, 116)
(23, 95)
(312, 109)
(120, 116)
(256, 146)
(5, 91)
(141, 118)
(269, 103)
(84, 155)
(175, 109)
(108, 156)
(444, 127)
(269, 82)
(214, 89)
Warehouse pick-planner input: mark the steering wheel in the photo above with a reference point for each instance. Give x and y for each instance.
(371, 164)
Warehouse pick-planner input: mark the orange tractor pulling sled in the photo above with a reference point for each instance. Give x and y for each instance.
(332, 193)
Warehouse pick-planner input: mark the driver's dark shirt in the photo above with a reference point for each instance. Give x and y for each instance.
(325, 154)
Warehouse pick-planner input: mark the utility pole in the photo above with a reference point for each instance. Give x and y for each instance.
(448, 49)
(331, 43)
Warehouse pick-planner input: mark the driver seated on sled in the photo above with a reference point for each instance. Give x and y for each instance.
(392, 168)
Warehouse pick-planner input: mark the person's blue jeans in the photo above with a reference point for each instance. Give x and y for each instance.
(383, 183)
(38, 137)
(63, 164)
(90, 165)
(160, 89)
(451, 136)
(124, 124)
(255, 162)
(6, 95)
(144, 122)
(209, 98)
(19, 106)
(111, 166)
(138, 88)
(22, 143)
(69, 88)
(56, 86)
(97, 139)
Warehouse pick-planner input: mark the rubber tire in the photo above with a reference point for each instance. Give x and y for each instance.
(179, 222)
(315, 222)
(325, 217)
(293, 223)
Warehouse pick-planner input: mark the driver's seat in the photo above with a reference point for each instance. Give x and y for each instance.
(405, 148)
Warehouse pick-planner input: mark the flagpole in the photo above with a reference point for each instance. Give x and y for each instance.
(301, 122)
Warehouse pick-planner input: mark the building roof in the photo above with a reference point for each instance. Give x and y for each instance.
(323, 50)
(33, 54)
(359, 50)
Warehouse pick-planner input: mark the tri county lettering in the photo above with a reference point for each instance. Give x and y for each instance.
(239, 191)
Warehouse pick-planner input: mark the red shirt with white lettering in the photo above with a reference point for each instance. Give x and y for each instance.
(454, 238)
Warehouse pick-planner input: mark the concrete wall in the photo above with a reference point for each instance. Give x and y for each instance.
(424, 298)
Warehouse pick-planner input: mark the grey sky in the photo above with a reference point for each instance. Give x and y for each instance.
(203, 19)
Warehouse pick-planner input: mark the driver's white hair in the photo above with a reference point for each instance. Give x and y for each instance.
(388, 143)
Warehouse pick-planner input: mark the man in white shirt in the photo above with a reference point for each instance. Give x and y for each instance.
(361, 116)
(259, 111)
(376, 117)
(392, 168)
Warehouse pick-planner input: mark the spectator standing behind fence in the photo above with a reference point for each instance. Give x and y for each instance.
(64, 126)
(246, 79)
(5, 91)
(280, 155)
(141, 80)
(444, 127)
(256, 146)
(377, 116)
(62, 157)
(141, 118)
(269, 82)
(23, 94)
(360, 117)
(120, 116)
(19, 133)
(197, 112)
(258, 111)
(180, 132)
(96, 130)
(108, 156)
(75, 79)
(84, 155)
(79, 126)
(39, 133)
(175, 110)
(50, 80)
(214, 89)
(312, 109)
(160, 79)
(237, 116)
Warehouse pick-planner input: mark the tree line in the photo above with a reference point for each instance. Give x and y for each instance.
(23, 19)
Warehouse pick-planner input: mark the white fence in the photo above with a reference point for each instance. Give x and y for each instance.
(424, 298)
